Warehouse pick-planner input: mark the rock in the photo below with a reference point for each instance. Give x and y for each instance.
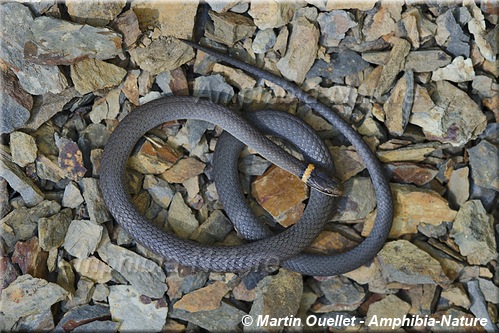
(52, 230)
(31, 258)
(136, 312)
(417, 24)
(484, 86)
(97, 209)
(482, 156)
(224, 319)
(411, 173)
(418, 61)
(421, 298)
(328, 5)
(21, 223)
(98, 326)
(35, 79)
(181, 218)
(347, 162)
(459, 187)
(341, 64)
(56, 42)
(228, 28)
(411, 153)
(301, 52)
(449, 32)
(182, 170)
(172, 18)
(340, 294)
(94, 12)
(214, 229)
(101, 292)
(413, 206)
(473, 232)
(30, 296)
(93, 268)
(334, 25)
(381, 22)
(204, 299)
(451, 267)
(330, 242)
(182, 280)
(214, 88)
(277, 296)
(90, 74)
(477, 27)
(281, 194)
(38, 322)
(72, 197)
(128, 25)
(478, 305)
(368, 86)
(48, 169)
(80, 316)
(162, 55)
(222, 7)
(23, 148)
(70, 158)
(264, 40)
(459, 70)
(272, 14)
(83, 294)
(490, 290)
(145, 276)
(82, 238)
(235, 77)
(393, 66)
(455, 316)
(389, 307)
(8, 272)
(49, 105)
(357, 201)
(404, 263)
(153, 157)
(16, 104)
(108, 107)
(399, 105)
(160, 191)
(456, 295)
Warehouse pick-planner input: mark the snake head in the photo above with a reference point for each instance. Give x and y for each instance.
(322, 181)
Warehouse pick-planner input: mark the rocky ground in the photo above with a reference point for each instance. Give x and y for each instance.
(417, 80)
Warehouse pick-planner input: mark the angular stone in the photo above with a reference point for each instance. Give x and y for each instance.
(154, 158)
(23, 148)
(97, 209)
(145, 276)
(456, 295)
(205, 299)
(214, 88)
(56, 42)
(81, 315)
(224, 319)
(90, 74)
(340, 294)
(393, 66)
(357, 201)
(477, 27)
(70, 158)
(482, 157)
(136, 312)
(381, 22)
(72, 197)
(82, 238)
(301, 52)
(264, 40)
(93, 268)
(330, 242)
(228, 28)
(214, 229)
(172, 18)
(98, 326)
(271, 14)
(450, 33)
(43, 321)
(403, 262)
(478, 305)
(459, 187)
(95, 12)
(281, 194)
(52, 230)
(413, 206)
(162, 55)
(31, 258)
(235, 77)
(66, 276)
(411, 173)
(334, 25)
(161, 192)
(83, 294)
(399, 105)
(108, 107)
(16, 103)
(328, 5)
(341, 64)
(182, 170)
(412, 153)
(418, 61)
(389, 307)
(459, 70)
(473, 232)
(29, 296)
(368, 86)
(128, 25)
(181, 218)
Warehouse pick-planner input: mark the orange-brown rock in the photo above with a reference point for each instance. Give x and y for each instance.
(329, 242)
(204, 299)
(31, 258)
(182, 170)
(153, 159)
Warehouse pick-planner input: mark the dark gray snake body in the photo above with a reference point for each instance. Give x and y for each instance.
(282, 249)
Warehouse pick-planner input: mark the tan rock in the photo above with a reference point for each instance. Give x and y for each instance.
(413, 206)
(329, 242)
(204, 299)
(94, 12)
(411, 173)
(329, 5)
(398, 106)
(153, 158)
(389, 307)
(460, 70)
(347, 162)
(271, 14)
(128, 24)
(395, 63)
(456, 295)
(93, 268)
(182, 170)
(412, 153)
(281, 194)
(383, 22)
(90, 75)
(131, 87)
(235, 77)
(370, 83)
(229, 27)
(23, 148)
(173, 18)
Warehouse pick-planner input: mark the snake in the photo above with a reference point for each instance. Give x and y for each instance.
(264, 250)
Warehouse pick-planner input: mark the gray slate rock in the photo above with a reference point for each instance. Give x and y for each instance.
(224, 319)
(72, 197)
(341, 294)
(181, 218)
(264, 41)
(358, 201)
(334, 25)
(214, 88)
(214, 229)
(79, 316)
(23, 148)
(98, 326)
(82, 238)
(97, 209)
(479, 306)
(160, 191)
(482, 157)
(341, 64)
(52, 230)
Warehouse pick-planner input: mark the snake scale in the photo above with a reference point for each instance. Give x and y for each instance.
(265, 251)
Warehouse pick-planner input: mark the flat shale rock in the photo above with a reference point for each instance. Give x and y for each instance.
(214, 88)
(281, 194)
(31, 258)
(128, 25)
(145, 276)
(460, 70)
(52, 230)
(97, 209)
(301, 52)
(16, 102)
(264, 40)
(334, 25)
(482, 157)
(224, 319)
(23, 148)
(94, 12)
(56, 42)
(181, 218)
(182, 170)
(80, 316)
(381, 22)
(340, 294)
(214, 229)
(459, 187)
(205, 299)
(413, 206)
(357, 201)
(411, 173)
(134, 311)
(172, 18)
(90, 74)
(228, 28)
(393, 66)
(93, 268)
(404, 263)
(82, 238)
(389, 307)
(417, 61)
(473, 232)
(235, 77)
(399, 105)
(162, 55)
(271, 14)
